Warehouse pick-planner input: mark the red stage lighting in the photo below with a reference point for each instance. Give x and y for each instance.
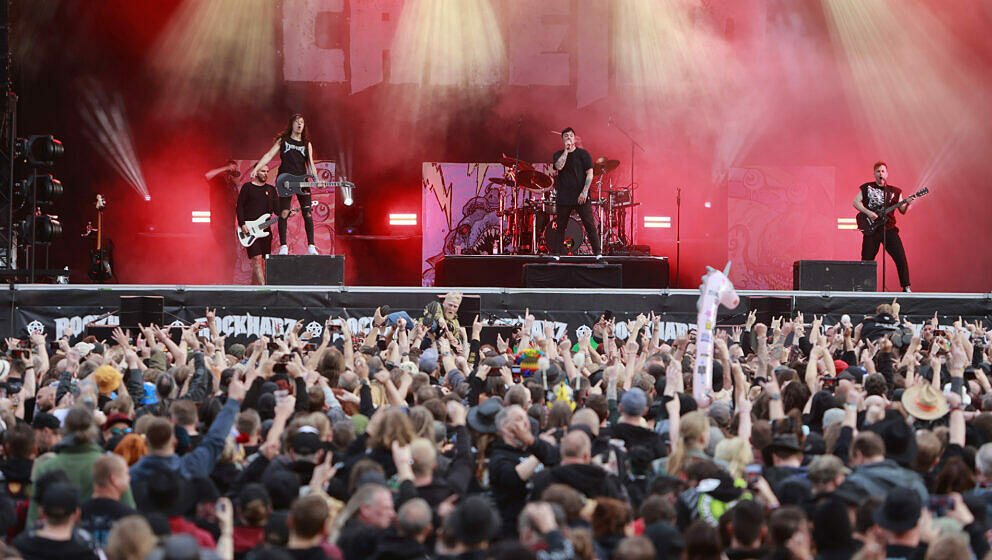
(201, 216)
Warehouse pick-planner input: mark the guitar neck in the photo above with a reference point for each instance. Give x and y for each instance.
(99, 230)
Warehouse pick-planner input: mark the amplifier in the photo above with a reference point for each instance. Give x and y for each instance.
(304, 270)
(146, 310)
(834, 276)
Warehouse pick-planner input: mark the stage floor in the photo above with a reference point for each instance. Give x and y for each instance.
(640, 272)
(246, 311)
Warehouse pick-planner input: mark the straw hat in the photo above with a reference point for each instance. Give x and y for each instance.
(924, 402)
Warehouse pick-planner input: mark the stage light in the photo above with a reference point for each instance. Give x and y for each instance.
(847, 223)
(657, 221)
(48, 229)
(107, 126)
(445, 43)
(707, 204)
(201, 216)
(48, 190)
(402, 219)
(40, 151)
(346, 194)
(914, 90)
(221, 53)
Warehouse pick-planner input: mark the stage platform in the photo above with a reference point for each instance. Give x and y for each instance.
(508, 270)
(247, 311)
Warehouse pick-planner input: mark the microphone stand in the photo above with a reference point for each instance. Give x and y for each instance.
(678, 234)
(633, 144)
(885, 246)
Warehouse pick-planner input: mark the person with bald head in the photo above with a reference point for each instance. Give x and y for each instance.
(578, 471)
(414, 525)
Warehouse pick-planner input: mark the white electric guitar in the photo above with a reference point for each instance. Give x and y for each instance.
(259, 227)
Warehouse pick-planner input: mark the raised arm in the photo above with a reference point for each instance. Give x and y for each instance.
(266, 158)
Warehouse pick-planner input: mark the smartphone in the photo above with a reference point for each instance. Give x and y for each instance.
(940, 504)
(829, 382)
(273, 346)
(515, 370)
(751, 474)
(281, 395)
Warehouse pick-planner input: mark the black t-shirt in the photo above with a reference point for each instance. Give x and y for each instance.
(255, 200)
(572, 177)
(80, 546)
(294, 157)
(97, 515)
(876, 198)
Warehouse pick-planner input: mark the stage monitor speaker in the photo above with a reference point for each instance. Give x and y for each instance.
(470, 307)
(767, 308)
(304, 270)
(573, 276)
(834, 276)
(144, 310)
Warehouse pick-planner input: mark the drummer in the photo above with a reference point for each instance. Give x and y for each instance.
(574, 166)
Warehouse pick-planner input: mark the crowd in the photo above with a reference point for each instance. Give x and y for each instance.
(863, 439)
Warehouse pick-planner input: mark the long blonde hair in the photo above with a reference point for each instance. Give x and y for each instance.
(736, 453)
(693, 428)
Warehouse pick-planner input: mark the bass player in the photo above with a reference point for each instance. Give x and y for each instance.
(255, 199)
(873, 197)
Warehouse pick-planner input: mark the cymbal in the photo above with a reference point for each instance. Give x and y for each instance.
(604, 165)
(508, 161)
(534, 181)
(504, 182)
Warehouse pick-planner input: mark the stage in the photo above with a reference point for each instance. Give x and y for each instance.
(244, 312)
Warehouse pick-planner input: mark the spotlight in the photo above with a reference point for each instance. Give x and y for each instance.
(46, 187)
(346, 193)
(40, 151)
(47, 229)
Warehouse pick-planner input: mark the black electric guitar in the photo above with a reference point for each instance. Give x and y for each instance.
(100, 258)
(869, 226)
(288, 185)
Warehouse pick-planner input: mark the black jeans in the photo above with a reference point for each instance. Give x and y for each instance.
(585, 214)
(284, 205)
(893, 246)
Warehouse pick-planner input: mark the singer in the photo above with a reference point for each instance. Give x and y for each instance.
(574, 167)
(873, 197)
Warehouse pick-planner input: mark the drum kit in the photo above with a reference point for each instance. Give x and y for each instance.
(528, 209)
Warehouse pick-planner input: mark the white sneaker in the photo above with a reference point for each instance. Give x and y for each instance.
(557, 258)
(311, 250)
(284, 249)
(907, 290)
(599, 257)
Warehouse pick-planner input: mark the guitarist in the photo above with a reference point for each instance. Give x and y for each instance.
(872, 198)
(257, 198)
(296, 158)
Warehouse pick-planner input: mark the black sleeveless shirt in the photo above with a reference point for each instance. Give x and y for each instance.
(876, 198)
(293, 157)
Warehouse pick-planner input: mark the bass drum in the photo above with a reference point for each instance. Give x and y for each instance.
(575, 242)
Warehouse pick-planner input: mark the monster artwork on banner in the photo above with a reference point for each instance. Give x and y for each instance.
(716, 290)
(460, 207)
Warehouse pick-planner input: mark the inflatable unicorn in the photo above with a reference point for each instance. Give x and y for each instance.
(715, 290)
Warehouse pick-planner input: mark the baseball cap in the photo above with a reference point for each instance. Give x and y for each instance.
(45, 420)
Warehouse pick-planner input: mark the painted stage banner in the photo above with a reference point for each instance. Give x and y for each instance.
(243, 315)
(773, 214)
(460, 208)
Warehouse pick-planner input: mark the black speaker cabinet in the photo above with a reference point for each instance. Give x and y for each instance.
(304, 270)
(834, 276)
(145, 310)
(573, 276)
